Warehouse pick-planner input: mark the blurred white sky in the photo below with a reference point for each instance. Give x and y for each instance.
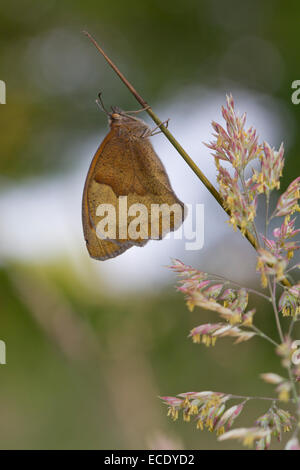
(41, 219)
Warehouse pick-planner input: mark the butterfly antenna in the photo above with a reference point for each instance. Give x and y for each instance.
(100, 103)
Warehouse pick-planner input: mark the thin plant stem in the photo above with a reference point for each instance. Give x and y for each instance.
(263, 335)
(273, 296)
(292, 268)
(242, 397)
(256, 292)
(292, 324)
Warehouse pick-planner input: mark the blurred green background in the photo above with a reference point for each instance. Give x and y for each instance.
(86, 358)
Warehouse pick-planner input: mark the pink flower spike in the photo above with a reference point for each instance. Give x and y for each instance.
(288, 201)
(237, 145)
(172, 401)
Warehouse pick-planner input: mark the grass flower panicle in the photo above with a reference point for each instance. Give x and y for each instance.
(227, 300)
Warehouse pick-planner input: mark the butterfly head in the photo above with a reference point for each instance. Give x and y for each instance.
(122, 120)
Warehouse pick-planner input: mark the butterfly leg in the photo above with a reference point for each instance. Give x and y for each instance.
(154, 131)
(138, 111)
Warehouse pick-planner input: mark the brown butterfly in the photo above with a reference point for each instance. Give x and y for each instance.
(127, 178)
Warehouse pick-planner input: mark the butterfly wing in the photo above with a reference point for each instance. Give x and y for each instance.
(125, 168)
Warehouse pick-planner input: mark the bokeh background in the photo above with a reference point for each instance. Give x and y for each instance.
(91, 345)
